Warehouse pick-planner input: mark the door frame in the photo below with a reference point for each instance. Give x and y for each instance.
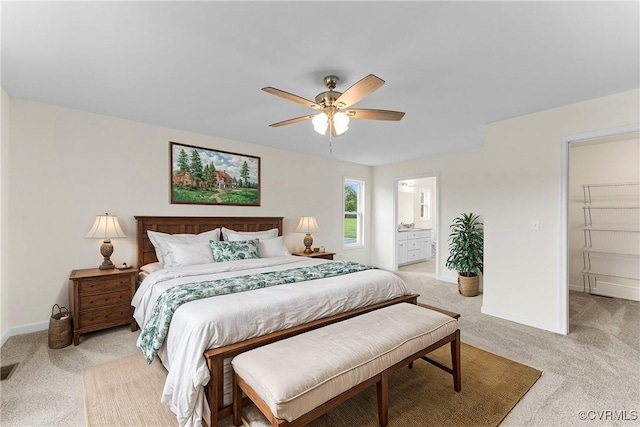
(563, 290)
(435, 230)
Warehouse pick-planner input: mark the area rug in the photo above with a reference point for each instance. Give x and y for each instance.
(127, 392)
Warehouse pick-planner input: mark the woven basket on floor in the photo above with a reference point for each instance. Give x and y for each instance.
(468, 286)
(60, 329)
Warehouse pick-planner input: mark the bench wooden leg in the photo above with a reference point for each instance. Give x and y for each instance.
(382, 387)
(237, 402)
(455, 362)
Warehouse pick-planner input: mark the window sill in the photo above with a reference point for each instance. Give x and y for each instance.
(352, 247)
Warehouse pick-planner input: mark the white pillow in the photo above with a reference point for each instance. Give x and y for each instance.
(150, 268)
(235, 236)
(158, 239)
(187, 253)
(269, 248)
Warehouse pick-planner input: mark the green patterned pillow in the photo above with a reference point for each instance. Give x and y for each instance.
(232, 251)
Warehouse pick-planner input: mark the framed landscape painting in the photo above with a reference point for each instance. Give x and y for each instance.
(203, 176)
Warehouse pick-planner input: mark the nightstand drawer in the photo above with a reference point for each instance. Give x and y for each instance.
(103, 284)
(111, 315)
(103, 299)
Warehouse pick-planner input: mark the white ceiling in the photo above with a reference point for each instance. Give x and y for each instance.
(451, 66)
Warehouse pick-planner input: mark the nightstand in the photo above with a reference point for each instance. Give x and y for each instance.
(322, 255)
(101, 299)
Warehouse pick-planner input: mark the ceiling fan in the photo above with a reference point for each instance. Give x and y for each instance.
(334, 106)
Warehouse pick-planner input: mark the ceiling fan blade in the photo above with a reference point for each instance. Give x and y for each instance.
(359, 90)
(363, 113)
(292, 121)
(291, 97)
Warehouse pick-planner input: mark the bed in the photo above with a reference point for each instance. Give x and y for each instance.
(205, 334)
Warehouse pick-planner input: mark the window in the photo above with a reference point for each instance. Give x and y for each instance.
(425, 204)
(353, 212)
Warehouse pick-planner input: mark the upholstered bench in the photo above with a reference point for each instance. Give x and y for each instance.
(295, 380)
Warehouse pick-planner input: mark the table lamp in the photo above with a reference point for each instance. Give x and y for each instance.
(307, 225)
(106, 227)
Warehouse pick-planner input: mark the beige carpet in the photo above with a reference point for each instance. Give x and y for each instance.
(127, 393)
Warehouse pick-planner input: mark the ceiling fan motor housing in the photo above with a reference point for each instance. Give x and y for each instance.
(327, 98)
(331, 81)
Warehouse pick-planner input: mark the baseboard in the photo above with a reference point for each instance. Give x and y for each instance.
(522, 320)
(385, 267)
(448, 279)
(577, 288)
(34, 327)
(608, 289)
(5, 337)
(616, 290)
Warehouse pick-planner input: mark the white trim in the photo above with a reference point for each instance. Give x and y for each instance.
(563, 289)
(5, 337)
(616, 290)
(563, 247)
(576, 288)
(384, 267)
(27, 329)
(523, 320)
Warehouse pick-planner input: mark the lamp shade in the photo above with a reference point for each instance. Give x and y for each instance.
(105, 227)
(307, 224)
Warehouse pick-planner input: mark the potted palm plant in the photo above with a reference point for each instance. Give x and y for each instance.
(466, 252)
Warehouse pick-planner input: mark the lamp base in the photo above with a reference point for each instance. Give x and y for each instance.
(107, 265)
(106, 249)
(308, 241)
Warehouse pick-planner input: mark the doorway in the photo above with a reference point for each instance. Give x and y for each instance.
(416, 224)
(601, 231)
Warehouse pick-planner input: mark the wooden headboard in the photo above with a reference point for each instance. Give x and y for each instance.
(194, 225)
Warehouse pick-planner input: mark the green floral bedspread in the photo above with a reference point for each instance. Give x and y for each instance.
(155, 330)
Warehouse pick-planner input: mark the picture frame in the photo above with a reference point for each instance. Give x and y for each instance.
(207, 176)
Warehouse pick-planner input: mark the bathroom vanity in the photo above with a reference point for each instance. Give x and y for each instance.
(413, 245)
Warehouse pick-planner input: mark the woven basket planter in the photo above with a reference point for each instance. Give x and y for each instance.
(468, 286)
(60, 328)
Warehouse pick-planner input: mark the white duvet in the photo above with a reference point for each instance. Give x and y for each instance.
(225, 319)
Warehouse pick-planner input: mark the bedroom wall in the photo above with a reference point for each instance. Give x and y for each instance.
(4, 218)
(513, 180)
(522, 160)
(68, 166)
(460, 176)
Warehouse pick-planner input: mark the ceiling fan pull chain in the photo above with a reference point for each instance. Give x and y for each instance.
(331, 135)
(330, 142)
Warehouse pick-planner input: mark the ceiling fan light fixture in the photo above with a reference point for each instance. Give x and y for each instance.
(320, 123)
(334, 108)
(340, 122)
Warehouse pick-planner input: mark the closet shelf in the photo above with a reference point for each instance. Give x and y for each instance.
(613, 227)
(615, 184)
(623, 254)
(610, 207)
(597, 273)
(612, 197)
